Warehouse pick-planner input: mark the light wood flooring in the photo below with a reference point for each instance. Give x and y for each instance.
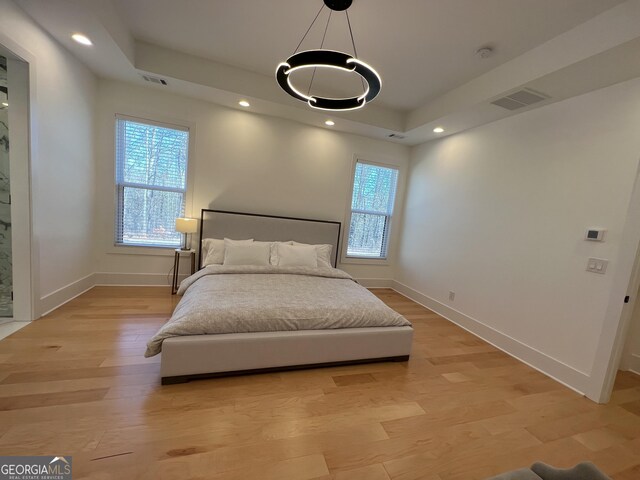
(75, 383)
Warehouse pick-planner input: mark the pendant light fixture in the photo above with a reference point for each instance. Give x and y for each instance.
(322, 58)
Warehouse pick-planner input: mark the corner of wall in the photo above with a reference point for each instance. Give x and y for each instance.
(65, 294)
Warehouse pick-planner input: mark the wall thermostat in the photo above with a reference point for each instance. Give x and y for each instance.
(595, 234)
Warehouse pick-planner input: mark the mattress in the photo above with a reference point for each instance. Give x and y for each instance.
(220, 300)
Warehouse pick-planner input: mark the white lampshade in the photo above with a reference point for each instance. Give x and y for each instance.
(186, 225)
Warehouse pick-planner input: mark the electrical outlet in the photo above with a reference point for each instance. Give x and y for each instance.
(452, 296)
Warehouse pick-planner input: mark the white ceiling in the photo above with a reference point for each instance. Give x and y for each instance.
(224, 50)
(421, 48)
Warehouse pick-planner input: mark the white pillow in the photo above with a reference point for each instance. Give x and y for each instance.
(297, 256)
(213, 249)
(271, 250)
(248, 254)
(323, 251)
(274, 251)
(228, 241)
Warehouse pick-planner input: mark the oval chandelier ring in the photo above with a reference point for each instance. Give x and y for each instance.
(324, 58)
(329, 59)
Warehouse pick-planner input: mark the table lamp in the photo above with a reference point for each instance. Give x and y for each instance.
(186, 226)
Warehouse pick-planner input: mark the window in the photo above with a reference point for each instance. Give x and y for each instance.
(374, 193)
(151, 182)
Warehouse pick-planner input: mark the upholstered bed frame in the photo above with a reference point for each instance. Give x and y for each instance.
(197, 356)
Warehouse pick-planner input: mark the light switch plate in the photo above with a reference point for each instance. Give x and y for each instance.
(597, 265)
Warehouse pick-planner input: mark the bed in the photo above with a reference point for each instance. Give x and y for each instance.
(243, 319)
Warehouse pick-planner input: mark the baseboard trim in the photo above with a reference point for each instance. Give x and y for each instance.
(160, 280)
(559, 371)
(376, 282)
(632, 363)
(134, 279)
(65, 294)
(550, 366)
(59, 297)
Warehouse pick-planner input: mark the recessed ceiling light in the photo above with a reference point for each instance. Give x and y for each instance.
(244, 103)
(330, 123)
(5, 104)
(438, 130)
(82, 39)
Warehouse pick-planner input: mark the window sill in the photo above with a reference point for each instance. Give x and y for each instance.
(156, 250)
(365, 261)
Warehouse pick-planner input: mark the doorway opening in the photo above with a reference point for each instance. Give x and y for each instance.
(6, 260)
(628, 371)
(16, 253)
(623, 311)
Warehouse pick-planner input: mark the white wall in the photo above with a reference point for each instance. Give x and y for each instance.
(62, 157)
(241, 161)
(498, 215)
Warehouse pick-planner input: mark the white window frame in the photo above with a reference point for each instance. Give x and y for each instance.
(120, 184)
(344, 258)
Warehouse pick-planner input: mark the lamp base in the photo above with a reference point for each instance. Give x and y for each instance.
(338, 5)
(185, 246)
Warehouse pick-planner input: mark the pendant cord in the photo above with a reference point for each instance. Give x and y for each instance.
(321, 45)
(326, 27)
(309, 29)
(355, 52)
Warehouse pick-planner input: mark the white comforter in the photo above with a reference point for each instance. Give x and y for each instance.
(240, 299)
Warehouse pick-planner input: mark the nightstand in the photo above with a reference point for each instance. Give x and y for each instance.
(176, 267)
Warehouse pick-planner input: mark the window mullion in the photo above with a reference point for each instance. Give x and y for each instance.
(369, 212)
(152, 187)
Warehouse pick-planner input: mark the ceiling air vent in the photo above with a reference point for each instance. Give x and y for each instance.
(520, 99)
(396, 135)
(156, 80)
